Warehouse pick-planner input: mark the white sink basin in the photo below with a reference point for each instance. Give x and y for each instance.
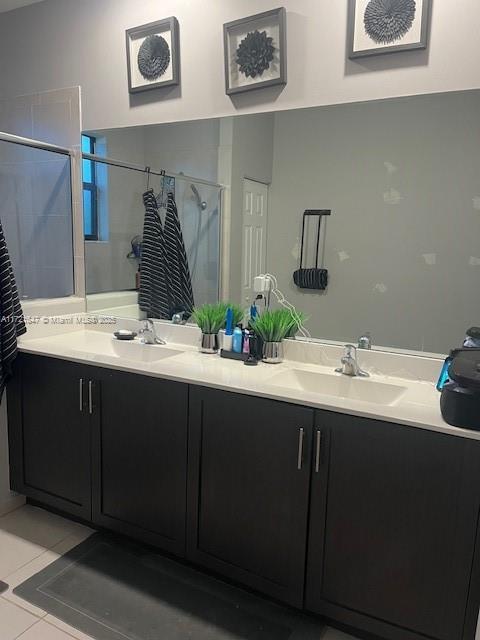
(96, 343)
(340, 386)
(138, 352)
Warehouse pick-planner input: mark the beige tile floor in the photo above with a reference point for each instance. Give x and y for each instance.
(30, 539)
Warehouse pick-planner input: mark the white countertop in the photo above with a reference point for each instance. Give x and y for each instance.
(418, 405)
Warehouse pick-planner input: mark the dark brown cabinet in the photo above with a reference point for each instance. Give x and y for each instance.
(371, 524)
(249, 476)
(393, 525)
(49, 431)
(140, 457)
(106, 446)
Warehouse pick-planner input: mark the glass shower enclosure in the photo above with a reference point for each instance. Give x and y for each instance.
(36, 215)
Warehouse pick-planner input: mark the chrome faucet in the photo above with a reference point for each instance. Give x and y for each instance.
(350, 366)
(148, 333)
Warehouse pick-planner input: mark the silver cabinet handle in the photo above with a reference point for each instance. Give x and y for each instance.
(317, 451)
(80, 393)
(301, 435)
(90, 398)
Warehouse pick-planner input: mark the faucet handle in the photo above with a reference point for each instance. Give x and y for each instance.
(365, 341)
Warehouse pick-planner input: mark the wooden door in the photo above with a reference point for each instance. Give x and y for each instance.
(49, 433)
(254, 241)
(249, 476)
(392, 531)
(140, 457)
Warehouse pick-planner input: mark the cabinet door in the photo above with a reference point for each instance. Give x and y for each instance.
(392, 539)
(49, 433)
(249, 475)
(140, 457)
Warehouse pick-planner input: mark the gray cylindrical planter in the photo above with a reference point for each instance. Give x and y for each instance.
(273, 352)
(209, 343)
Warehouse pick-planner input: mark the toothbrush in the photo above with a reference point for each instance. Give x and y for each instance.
(228, 338)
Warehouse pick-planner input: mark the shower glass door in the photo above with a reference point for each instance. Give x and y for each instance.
(36, 214)
(199, 211)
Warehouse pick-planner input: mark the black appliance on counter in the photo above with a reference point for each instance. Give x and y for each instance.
(460, 399)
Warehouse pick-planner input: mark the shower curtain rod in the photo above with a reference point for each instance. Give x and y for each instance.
(135, 167)
(34, 144)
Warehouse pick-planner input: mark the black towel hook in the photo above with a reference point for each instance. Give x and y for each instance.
(162, 194)
(147, 171)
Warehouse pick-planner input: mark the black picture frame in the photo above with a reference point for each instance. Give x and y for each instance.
(167, 25)
(422, 43)
(279, 16)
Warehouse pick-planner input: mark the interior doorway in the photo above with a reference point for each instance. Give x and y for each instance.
(254, 232)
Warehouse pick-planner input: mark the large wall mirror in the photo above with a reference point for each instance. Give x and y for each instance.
(402, 245)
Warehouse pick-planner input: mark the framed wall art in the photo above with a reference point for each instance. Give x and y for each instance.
(387, 26)
(255, 50)
(153, 55)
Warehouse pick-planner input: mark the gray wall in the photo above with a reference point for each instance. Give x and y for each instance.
(184, 147)
(61, 43)
(402, 246)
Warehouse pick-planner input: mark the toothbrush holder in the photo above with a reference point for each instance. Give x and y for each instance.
(273, 352)
(209, 343)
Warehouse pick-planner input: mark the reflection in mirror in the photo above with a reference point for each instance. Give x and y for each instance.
(401, 245)
(114, 254)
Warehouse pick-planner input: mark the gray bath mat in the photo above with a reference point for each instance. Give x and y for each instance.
(115, 590)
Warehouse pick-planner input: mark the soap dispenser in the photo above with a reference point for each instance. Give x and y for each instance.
(237, 339)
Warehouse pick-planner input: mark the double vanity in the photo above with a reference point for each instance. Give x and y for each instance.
(344, 497)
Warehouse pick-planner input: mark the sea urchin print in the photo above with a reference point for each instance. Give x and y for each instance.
(387, 21)
(255, 53)
(153, 57)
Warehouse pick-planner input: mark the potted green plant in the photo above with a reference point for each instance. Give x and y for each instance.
(273, 327)
(210, 318)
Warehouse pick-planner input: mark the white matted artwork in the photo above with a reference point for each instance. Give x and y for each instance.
(255, 51)
(387, 26)
(153, 55)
